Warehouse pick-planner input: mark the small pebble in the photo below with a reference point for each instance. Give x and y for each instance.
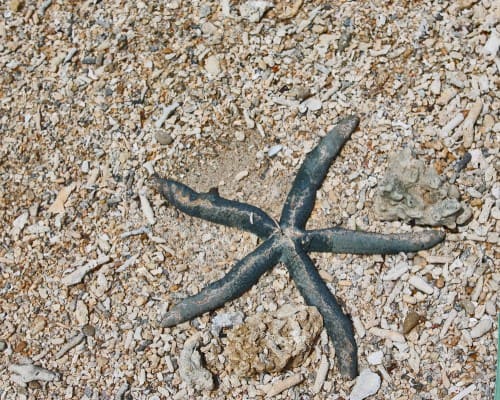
(16, 5)
(411, 321)
(212, 65)
(163, 137)
(481, 328)
(313, 104)
(420, 284)
(387, 334)
(88, 330)
(254, 10)
(85, 167)
(240, 175)
(492, 44)
(367, 383)
(240, 136)
(226, 320)
(81, 312)
(375, 358)
(274, 150)
(396, 272)
(3, 345)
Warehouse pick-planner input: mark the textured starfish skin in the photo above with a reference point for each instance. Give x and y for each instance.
(288, 242)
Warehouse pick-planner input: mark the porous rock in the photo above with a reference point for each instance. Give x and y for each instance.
(271, 342)
(411, 190)
(191, 369)
(367, 383)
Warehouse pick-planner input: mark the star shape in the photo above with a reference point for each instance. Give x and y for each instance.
(289, 242)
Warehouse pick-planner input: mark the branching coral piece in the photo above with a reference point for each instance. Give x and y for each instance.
(289, 243)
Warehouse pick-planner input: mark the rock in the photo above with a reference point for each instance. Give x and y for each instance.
(25, 373)
(58, 204)
(240, 136)
(412, 191)
(205, 10)
(375, 358)
(191, 369)
(481, 328)
(88, 330)
(212, 65)
(367, 383)
(411, 321)
(254, 10)
(313, 104)
(16, 5)
(492, 44)
(226, 320)
(300, 93)
(19, 223)
(163, 137)
(273, 150)
(81, 313)
(396, 272)
(271, 342)
(387, 334)
(419, 283)
(38, 325)
(240, 175)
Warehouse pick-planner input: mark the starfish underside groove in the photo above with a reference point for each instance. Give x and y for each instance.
(289, 242)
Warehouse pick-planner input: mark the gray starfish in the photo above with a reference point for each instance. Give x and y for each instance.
(289, 242)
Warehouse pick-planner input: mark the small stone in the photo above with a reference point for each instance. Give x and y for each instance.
(411, 321)
(3, 345)
(396, 272)
(481, 328)
(435, 86)
(240, 136)
(273, 150)
(375, 358)
(88, 330)
(226, 320)
(419, 283)
(163, 137)
(25, 373)
(16, 5)
(81, 313)
(492, 44)
(212, 65)
(85, 167)
(39, 324)
(300, 93)
(272, 341)
(254, 10)
(387, 334)
(58, 204)
(205, 10)
(313, 104)
(367, 383)
(412, 191)
(240, 175)
(20, 347)
(191, 370)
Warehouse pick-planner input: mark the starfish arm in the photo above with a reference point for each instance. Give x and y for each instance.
(236, 282)
(300, 200)
(339, 240)
(211, 207)
(315, 292)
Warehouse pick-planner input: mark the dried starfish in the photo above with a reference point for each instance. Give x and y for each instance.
(289, 242)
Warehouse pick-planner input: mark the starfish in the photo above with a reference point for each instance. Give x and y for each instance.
(289, 242)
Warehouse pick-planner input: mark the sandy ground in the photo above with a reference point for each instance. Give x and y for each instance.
(94, 95)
